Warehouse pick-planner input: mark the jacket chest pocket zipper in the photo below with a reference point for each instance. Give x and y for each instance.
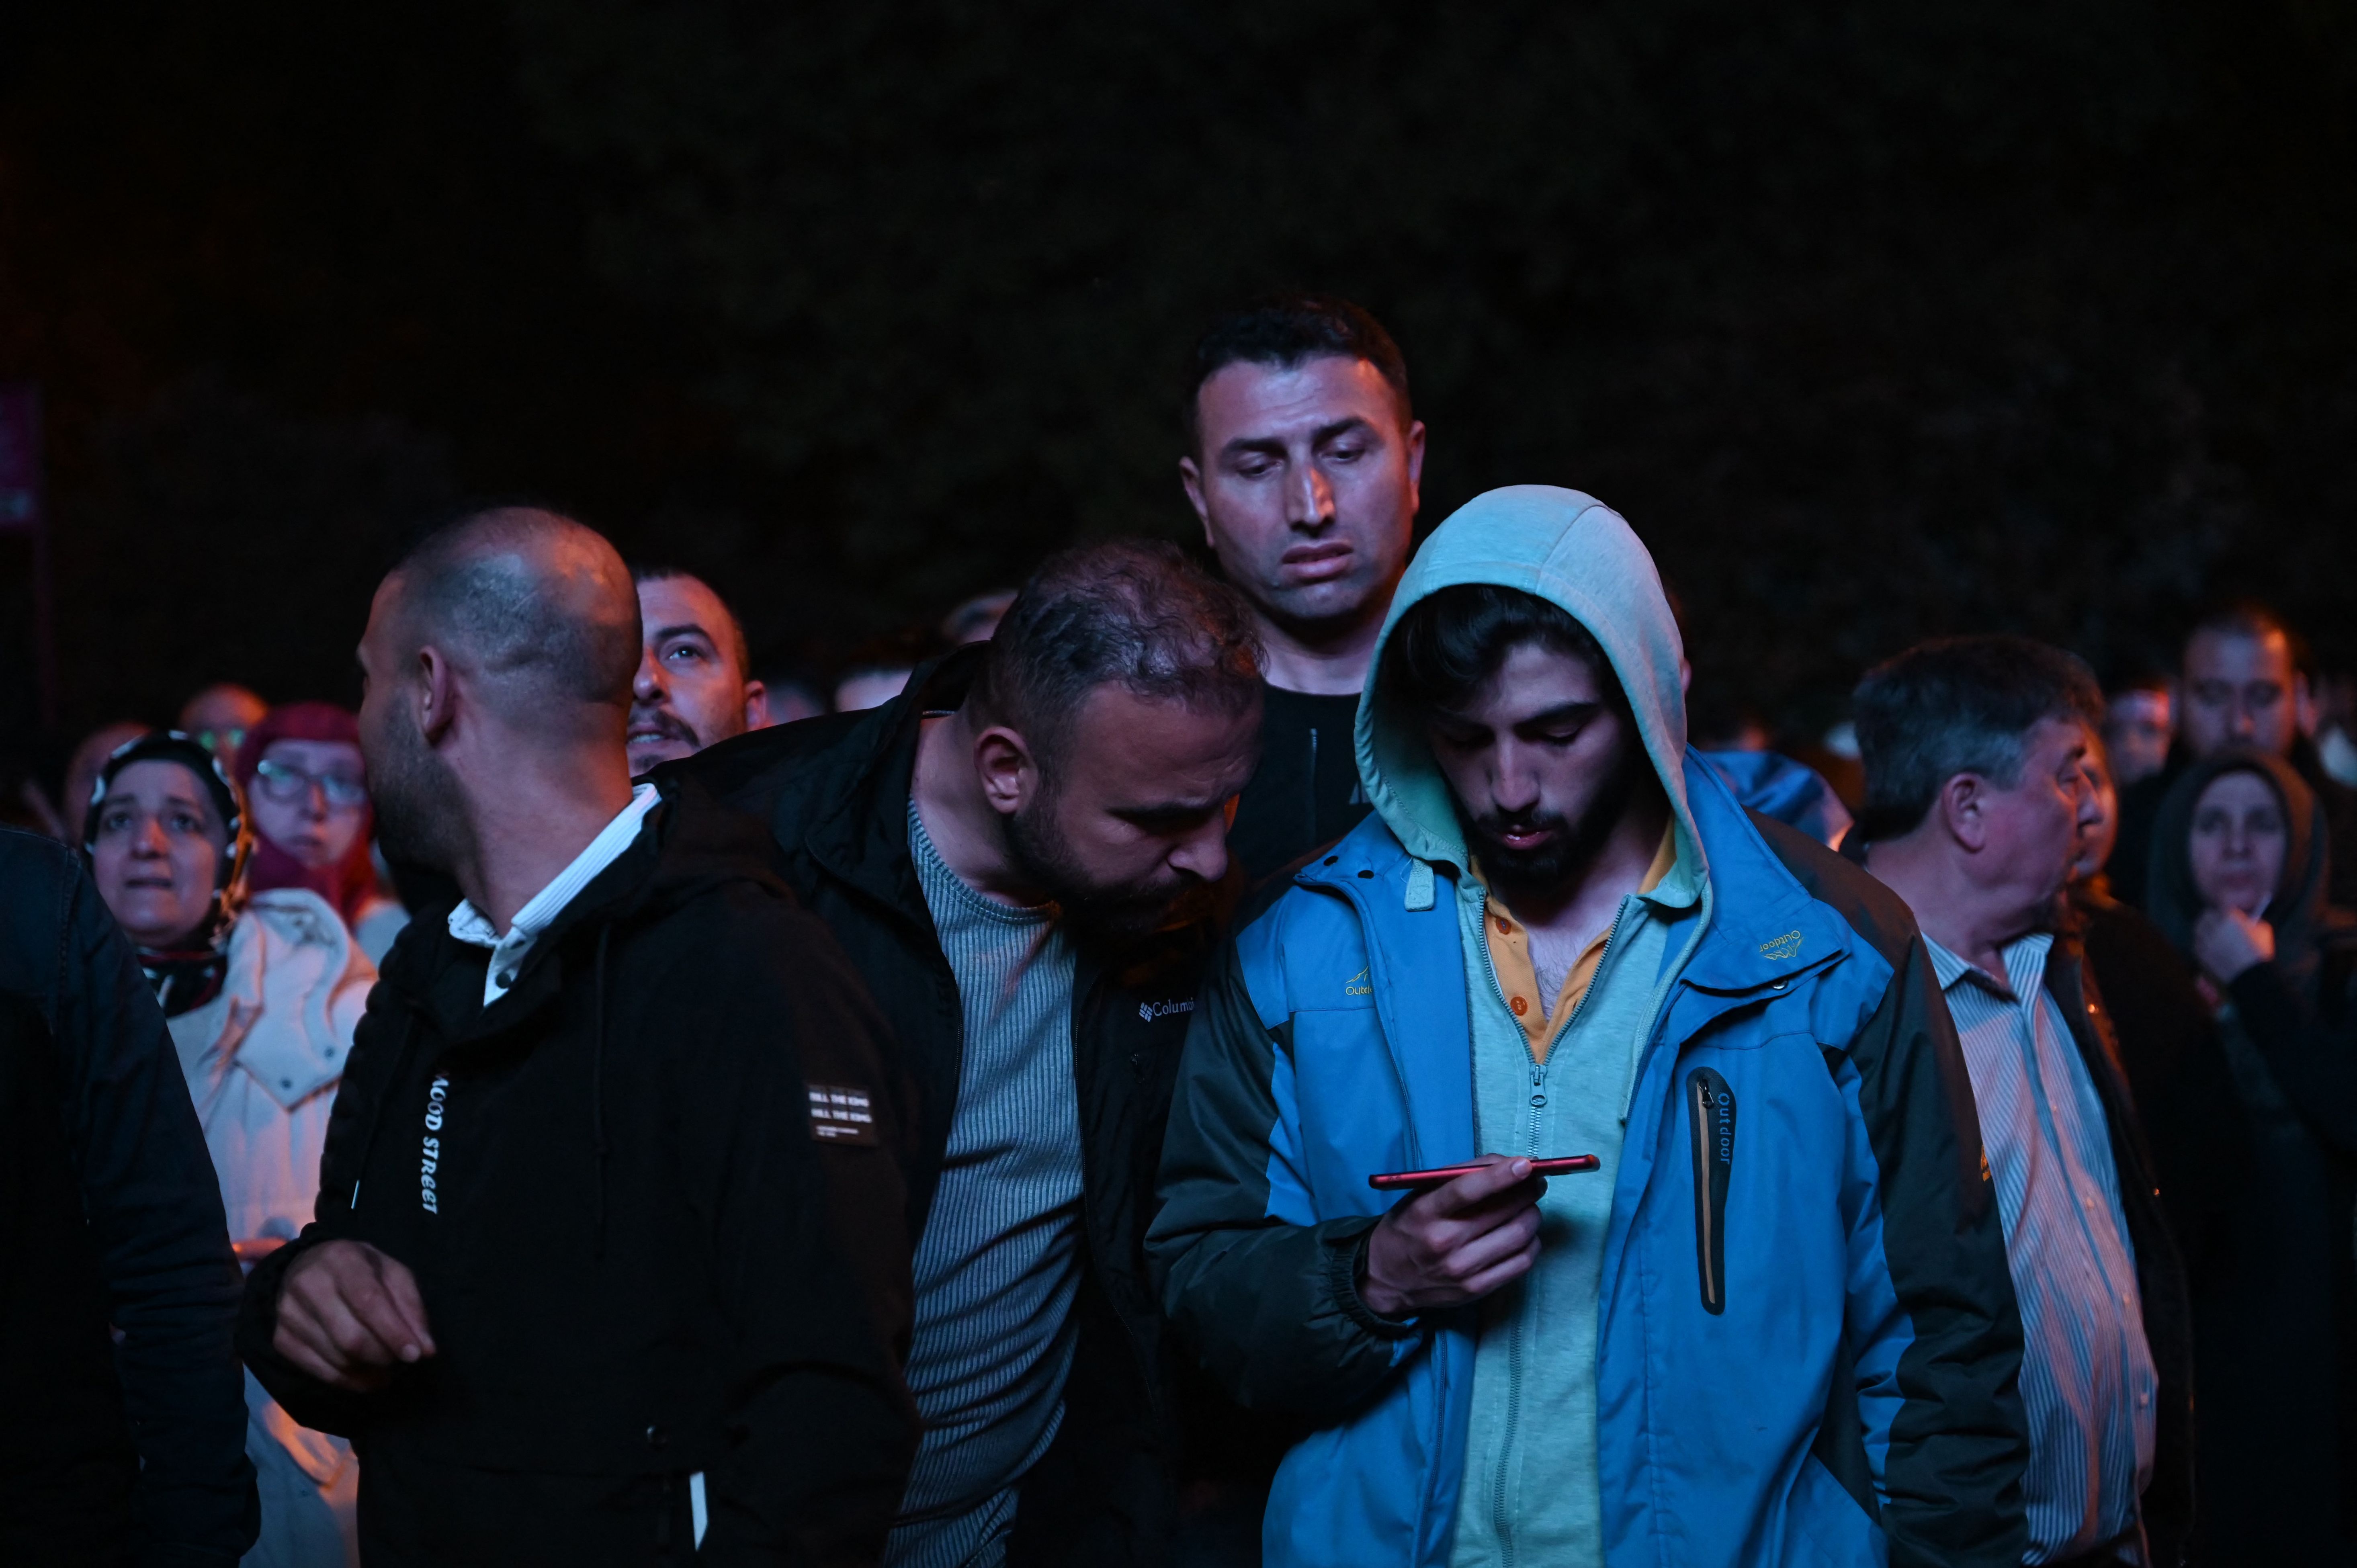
(1710, 1114)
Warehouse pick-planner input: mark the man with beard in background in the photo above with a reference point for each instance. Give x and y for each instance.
(607, 1265)
(695, 683)
(1021, 853)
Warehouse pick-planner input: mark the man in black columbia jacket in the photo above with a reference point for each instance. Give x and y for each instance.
(1020, 854)
(109, 1215)
(608, 1266)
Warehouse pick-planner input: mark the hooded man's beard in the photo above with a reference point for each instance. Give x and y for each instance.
(1572, 846)
(1122, 911)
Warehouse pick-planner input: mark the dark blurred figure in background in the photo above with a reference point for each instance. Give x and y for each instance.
(974, 619)
(595, 1276)
(1977, 801)
(877, 671)
(2242, 685)
(82, 769)
(2259, 1140)
(695, 683)
(261, 994)
(301, 773)
(109, 1454)
(1303, 458)
(218, 717)
(2138, 725)
(1021, 853)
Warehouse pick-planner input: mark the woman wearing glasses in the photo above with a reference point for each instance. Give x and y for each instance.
(300, 769)
(261, 991)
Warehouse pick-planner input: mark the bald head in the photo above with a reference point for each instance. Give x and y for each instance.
(537, 609)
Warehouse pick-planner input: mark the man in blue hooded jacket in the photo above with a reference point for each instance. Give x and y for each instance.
(1774, 1325)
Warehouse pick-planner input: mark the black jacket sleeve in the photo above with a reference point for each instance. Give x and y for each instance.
(155, 1218)
(1272, 1307)
(2308, 1050)
(809, 1238)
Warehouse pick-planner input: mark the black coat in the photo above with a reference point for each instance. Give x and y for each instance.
(835, 792)
(643, 1256)
(2100, 1033)
(109, 1214)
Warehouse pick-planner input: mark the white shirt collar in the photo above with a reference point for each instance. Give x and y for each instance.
(472, 926)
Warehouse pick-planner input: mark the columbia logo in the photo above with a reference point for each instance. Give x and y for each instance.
(1150, 1011)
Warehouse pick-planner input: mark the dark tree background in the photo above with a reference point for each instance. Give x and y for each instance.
(1877, 320)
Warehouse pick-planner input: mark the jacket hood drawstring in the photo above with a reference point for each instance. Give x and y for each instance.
(376, 1117)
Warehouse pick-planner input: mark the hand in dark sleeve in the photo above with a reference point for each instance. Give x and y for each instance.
(2311, 1056)
(155, 1219)
(1267, 1297)
(378, 1045)
(810, 1247)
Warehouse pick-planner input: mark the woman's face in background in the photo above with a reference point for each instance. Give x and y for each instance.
(2239, 841)
(157, 853)
(308, 798)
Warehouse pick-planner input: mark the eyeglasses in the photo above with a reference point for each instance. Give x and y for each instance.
(287, 784)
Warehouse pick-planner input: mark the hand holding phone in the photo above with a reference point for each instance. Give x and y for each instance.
(1456, 1242)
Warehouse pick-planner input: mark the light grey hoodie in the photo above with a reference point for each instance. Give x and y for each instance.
(1532, 1491)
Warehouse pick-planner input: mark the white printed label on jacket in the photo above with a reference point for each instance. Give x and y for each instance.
(430, 1192)
(842, 1115)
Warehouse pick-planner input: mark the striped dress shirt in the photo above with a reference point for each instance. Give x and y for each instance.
(2087, 1379)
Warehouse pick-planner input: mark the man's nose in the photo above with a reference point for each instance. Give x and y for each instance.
(147, 841)
(2243, 720)
(1311, 497)
(648, 686)
(1204, 852)
(1514, 782)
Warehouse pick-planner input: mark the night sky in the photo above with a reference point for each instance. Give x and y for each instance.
(1877, 321)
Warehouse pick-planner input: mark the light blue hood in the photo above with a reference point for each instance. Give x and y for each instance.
(1575, 552)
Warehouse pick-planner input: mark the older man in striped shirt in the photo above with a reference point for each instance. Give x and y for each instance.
(1976, 754)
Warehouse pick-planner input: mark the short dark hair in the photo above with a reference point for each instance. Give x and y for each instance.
(2252, 618)
(1448, 642)
(1135, 612)
(733, 633)
(1959, 704)
(464, 583)
(1283, 330)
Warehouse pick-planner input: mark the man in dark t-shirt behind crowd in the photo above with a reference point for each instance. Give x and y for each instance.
(1303, 461)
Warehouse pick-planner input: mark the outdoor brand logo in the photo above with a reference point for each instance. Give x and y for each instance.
(1150, 1011)
(1783, 947)
(437, 1095)
(842, 1115)
(1357, 985)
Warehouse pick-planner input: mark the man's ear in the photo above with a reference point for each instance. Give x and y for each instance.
(1962, 806)
(1415, 442)
(1190, 479)
(436, 694)
(1002, 761)
(2303, 704)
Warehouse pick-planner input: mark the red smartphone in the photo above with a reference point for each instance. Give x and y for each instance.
(1425, 1181)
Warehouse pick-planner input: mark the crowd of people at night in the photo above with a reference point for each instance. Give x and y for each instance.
(1312, 1058)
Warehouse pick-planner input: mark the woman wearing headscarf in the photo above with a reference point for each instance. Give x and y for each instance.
(2258, 1144)
(261, 992)
(301, 771)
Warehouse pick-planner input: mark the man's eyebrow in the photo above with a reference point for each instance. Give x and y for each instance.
(1326, 433)
(688, 628)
